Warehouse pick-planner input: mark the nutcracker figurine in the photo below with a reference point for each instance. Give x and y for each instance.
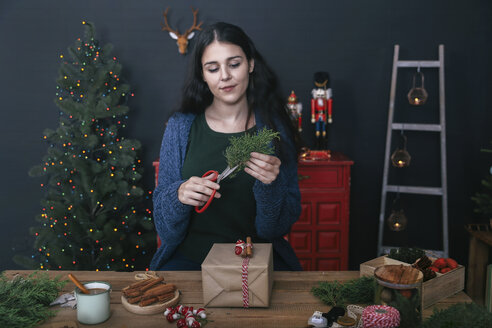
(295, 110)
(321, 104)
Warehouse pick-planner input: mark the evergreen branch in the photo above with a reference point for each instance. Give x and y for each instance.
(238, 153)
(358, 291)
(461, 315)
(409, 316)
(24, 302)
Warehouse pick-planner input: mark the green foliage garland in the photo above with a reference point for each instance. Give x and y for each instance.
(461, 315)
(24, 302)
(358, 291)
(238, 153)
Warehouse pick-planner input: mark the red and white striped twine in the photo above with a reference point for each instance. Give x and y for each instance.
(380, 316)
(244, 275)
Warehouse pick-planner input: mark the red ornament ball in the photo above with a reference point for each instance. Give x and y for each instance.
(181, 323)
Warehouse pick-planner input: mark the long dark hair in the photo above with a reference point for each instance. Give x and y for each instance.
(263, 89)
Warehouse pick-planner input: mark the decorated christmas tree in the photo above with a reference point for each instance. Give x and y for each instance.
(93, 215)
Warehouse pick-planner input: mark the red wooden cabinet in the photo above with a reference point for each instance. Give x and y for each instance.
(320, 236)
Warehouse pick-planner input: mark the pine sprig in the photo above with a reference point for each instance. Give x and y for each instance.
(238, 153)
(24, 302)
(461, 315)
(410, 317)
(405, 254)
(357, 291)
(483, 198)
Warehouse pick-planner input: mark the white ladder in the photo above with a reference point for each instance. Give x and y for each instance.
(441, 128)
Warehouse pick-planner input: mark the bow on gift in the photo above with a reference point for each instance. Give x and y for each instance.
(244, 249)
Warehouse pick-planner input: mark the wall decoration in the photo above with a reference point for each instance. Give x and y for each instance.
(417, 96)
(182, 39)
(295, 110)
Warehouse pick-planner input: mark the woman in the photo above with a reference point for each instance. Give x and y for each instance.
(230, 91)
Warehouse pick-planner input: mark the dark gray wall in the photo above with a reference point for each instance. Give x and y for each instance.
(353, 40)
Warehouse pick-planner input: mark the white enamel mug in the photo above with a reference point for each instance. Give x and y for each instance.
(93, 308)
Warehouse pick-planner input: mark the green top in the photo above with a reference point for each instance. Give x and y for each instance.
(228, 218)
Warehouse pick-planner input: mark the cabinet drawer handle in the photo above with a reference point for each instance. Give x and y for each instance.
(303, 177)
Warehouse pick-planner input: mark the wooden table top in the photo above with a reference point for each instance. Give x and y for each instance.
(292, 302)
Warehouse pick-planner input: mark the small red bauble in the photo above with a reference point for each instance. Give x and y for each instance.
(169, 317)
(181, 323)
(169, 310)
(239, 247)
(182, 309)
(195, 324)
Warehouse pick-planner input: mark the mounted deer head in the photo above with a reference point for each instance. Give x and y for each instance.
(182, 39)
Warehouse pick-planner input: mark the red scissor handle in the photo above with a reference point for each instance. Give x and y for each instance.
(207, 204)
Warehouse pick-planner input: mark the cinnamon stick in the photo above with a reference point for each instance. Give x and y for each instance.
(249, 249)
(133, 300)
(133, 293)
(166, 297)
(159, 290)
(148, 301)
(142, 283)
(78, 284)
(127, 291)
(150, 284)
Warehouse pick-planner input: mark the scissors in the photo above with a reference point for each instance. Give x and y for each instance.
(218, 177)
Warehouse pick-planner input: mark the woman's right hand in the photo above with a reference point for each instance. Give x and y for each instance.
(196, 191)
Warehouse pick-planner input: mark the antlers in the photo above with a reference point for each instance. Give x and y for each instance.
(194, 26)
(182, 39)
(166, 27)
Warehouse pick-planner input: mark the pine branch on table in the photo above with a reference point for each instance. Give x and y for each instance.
(24, 302)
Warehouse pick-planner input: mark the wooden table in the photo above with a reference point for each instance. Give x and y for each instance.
(291, 305)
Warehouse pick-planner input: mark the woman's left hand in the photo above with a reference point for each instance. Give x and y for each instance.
(263, 167)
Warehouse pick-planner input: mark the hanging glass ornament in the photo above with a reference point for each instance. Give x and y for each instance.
(417, 96)
(397, 221)
(400, 157)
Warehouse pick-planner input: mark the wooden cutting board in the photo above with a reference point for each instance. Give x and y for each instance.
(398, 274)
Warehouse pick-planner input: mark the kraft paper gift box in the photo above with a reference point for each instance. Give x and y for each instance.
(222, 276)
